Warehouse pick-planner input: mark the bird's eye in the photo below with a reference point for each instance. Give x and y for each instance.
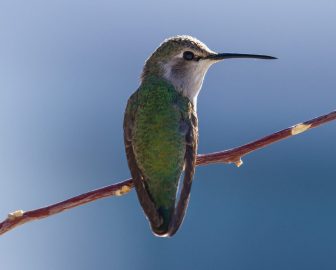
(188, 55)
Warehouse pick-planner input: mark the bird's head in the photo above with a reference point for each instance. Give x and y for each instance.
(184, 61)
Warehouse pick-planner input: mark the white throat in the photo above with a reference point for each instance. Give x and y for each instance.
(187, 77)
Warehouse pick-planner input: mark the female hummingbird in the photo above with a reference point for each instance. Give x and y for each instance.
(160, 127)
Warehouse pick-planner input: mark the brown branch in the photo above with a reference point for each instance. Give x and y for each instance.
(234, 155)
(228, 156)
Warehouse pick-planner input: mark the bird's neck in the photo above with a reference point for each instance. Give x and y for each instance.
(189, 90)
(188, 85)
(186, 78)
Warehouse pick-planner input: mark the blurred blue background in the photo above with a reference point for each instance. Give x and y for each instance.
(66, 71)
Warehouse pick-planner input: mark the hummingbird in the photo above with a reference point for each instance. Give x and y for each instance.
(161, 128)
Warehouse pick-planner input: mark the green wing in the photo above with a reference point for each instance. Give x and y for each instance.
(145, 201)
(189, 170)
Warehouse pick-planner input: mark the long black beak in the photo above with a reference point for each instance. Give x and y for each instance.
(221, 56)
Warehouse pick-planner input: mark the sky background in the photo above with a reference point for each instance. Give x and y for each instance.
(66, 71)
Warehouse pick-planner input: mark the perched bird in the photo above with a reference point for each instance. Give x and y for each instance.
(160, 127)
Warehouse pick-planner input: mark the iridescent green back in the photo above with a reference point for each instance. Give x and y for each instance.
(159, 129)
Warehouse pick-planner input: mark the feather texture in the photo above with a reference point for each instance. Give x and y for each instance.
(160, 133)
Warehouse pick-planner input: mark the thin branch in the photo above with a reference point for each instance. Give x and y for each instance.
(228, 156)
(234, 155)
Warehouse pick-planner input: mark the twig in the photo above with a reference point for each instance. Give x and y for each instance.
(234, 155)
(228, 156)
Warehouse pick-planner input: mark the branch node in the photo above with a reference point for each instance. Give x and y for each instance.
(238, 162)
(16, 214)
(299, 128)
(123, 190)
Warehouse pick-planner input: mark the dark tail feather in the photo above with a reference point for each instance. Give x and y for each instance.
(163, 229)
(190, 161)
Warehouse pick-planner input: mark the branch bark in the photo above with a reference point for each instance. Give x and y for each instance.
(233, 155)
